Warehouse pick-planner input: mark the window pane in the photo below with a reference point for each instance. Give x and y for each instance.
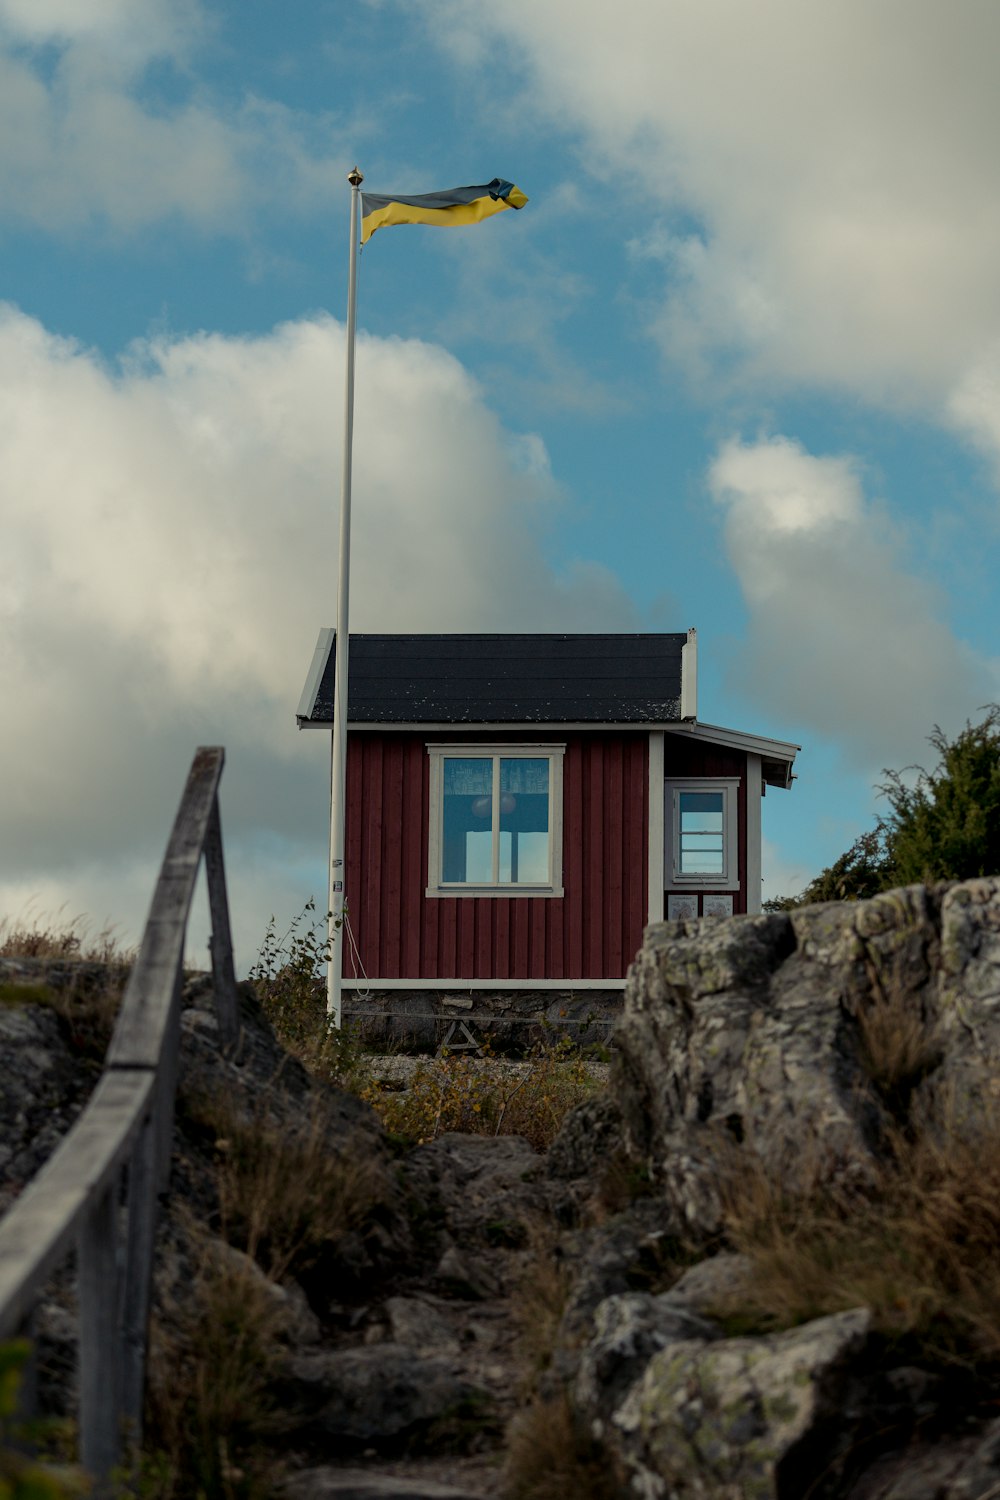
(467, 844)
(524, 820)
(702, 848)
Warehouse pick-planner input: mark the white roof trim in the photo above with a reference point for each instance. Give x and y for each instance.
(533, 728)
(737, 739)
(315, 675)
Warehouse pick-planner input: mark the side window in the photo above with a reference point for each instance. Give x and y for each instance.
(701, 833)
(495, 820)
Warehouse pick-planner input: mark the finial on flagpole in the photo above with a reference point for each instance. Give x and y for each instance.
(355, 177)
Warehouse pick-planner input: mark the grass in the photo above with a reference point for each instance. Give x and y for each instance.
(918, 1246)
(473, 1094)
(550, 1457)
(211, 1413)
(87, 1007)
(59, 938)
(485, 1096)
(286, 1196)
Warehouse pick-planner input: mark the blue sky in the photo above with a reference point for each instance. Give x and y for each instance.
(736, 365)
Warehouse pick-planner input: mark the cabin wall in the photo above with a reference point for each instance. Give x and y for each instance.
(591, 932)
(699, 758)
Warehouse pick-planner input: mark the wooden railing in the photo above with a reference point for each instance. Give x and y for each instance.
(99, 1189)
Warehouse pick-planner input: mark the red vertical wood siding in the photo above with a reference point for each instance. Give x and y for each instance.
(591, 932)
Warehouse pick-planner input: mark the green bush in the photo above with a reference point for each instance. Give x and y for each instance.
(944, 824)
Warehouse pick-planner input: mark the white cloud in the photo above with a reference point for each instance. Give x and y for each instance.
(842, 638)
(170, 553)
(838, 160)
(81, 143)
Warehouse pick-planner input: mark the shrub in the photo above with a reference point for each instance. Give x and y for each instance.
(946, 826)
(23, 1477)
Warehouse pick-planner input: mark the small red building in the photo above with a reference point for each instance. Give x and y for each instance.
(520, 806)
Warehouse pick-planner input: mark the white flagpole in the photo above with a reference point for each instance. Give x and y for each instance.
(338, 751)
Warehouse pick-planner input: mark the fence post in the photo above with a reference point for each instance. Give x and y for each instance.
(227, 1007)
(143, 1191)
(100, 1350)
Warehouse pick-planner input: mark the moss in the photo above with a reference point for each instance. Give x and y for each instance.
(15, 992)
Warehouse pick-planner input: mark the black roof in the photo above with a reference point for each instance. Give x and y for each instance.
(501, 679)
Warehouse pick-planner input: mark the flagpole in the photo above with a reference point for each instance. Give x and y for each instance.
(338, 749)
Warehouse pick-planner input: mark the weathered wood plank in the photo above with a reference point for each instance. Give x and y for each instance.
(127, 1120)
(138, 1037)
(41, 1225)
(99, 1358)
(227, 1008)
(139, 1238)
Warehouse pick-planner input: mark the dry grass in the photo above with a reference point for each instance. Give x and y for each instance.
(550, 1457)
(920, 1248)
(485, 1096)
(59, 937)
(898, 1046)
(539, 1302)
(287, 1196)
(211, 1415)
(87, 1004)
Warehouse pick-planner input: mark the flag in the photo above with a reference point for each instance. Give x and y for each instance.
(464, 205)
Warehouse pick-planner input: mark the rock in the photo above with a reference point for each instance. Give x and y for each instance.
(749, 1032)
(627, 1331)
(461, 1276)
(713, 1284)
(294, 1321)
(722, 1420)
(487, 1188)
(359, 1484)
(417, 1322)
(588, 1139)
(386, 1396)
(43, 1089)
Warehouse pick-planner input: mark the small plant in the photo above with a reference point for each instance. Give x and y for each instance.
(23, 1477)
(550, 1457)
(289, 977)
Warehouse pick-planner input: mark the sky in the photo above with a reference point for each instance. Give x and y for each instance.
(735, 366)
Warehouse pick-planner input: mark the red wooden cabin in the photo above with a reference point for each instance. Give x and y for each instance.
(520, 806)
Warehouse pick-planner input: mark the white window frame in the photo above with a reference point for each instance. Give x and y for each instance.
(729, 880)
(437, 754)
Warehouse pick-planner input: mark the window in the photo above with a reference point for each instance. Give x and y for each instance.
(701, 834)
(495, 820)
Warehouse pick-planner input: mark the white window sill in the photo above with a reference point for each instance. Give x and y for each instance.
(521, 891)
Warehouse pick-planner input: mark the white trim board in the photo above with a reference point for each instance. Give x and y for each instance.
(533, 726)
(471, 986)
(754, 793)
(654, 833)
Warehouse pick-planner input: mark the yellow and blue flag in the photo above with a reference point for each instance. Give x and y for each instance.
(464, 205)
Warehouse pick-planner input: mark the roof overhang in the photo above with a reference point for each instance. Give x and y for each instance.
(776, 756)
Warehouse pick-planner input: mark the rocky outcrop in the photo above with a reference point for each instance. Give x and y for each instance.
(806, 1046)
(760, 1030)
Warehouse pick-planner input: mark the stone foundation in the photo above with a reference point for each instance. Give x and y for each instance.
(511, 1021)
